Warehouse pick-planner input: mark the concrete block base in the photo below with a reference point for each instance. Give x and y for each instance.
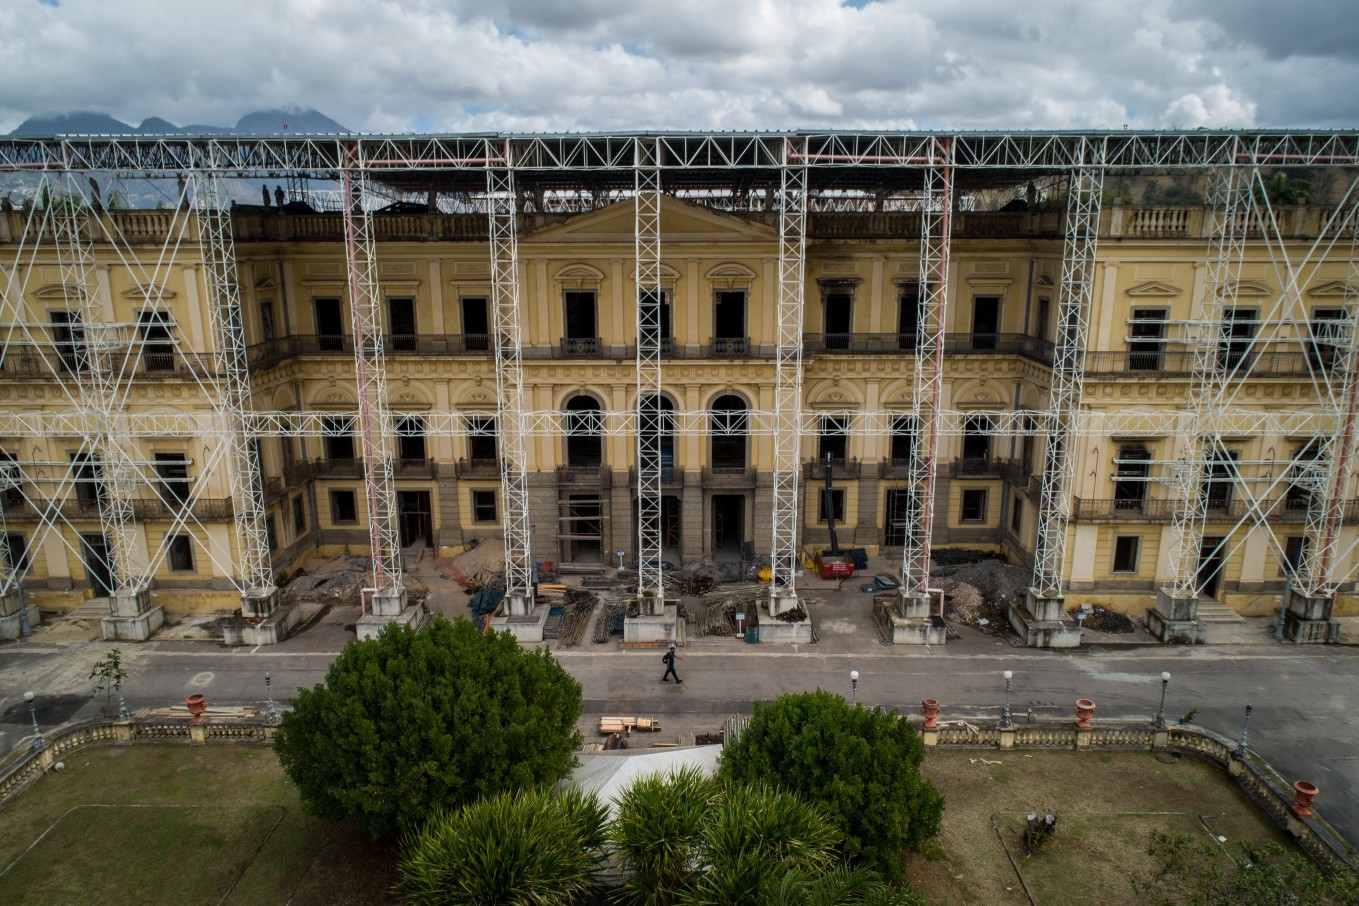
(270, 631)
(781, 600)
(525, 628)
(259, 603)
(652, 628)
(134, 628)
(12, 621)
(130, 604)
(1042, 623)
(929, 630)
(1174, 619)
(778, 632)
(1311, 632)
(388, 603)
(370, 625)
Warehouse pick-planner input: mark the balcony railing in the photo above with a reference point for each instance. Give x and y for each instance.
(581, 347)
(592, 476)
(207, 509)
(477, 468)
(955, 344)
(840, 468)
(1277, 509)
(671, 477)
(728, 477)
(413, 468)
(337, 468)
(27, 361)
(982, 467)
(1181, 364)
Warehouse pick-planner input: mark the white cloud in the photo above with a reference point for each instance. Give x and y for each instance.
(385, 65)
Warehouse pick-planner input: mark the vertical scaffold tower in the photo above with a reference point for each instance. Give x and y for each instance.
(99, 361)
(1040, 620)
(783, 549)
(1175, 616)
(374, 418)
(259, 596)
(647, 232)
(509, 385)
(914, 624)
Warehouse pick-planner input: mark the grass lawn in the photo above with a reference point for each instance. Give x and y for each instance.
(177, 824)
(1108, 806)
(180, 824)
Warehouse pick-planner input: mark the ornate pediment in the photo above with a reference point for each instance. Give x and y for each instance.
(1044, 280)
(265, 283)
(730, 275)
(1339, 288)
(1155, 288)
(59, 291)
(579, 276)
(1253, 288)
(147, 291)
(680, 222)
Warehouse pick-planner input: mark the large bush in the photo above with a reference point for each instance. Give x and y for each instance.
(409, 722)
(862, 766)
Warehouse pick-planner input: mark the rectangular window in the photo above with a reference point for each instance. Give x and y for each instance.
(977, 438)
(15, 551)
(1238, 333)
(1328, 329)
(158, 348)
(974, 505)
(1298, 496)
(1131, 470)
(908, 319)
(1017, 515)
(68, 339)
(729, 318)
(339, 442)
(271, 532)
(580, 315)
(1125, 553)
(834, 438)
(329, 325)
(181, 554)
(1295, 549)
(481, 442)
(88, 477)
(903, 439)
(476, 324)
(837, 502)
(401, 323)
(985, 322)
(267, 331)
(343, 508)
(11, 479)
(483, 506)
(410, 439)
(173, 471)
(1040, 323)
(299, 517)
(839, 308)
(1146, 333)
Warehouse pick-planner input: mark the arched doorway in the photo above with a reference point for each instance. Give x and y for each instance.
(584, 433)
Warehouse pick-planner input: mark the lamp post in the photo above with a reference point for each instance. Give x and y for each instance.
(1241, 745)
(1005, 721)
(853, 687)
(38, 740)
(272, 715)
(123, 712)
(1160, 723)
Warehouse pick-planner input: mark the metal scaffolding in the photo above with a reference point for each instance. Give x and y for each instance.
(1068, 369)
(374, 416)
(650, 301)
(932, 294)
(788, 424)
(509, 385)
(233, 398)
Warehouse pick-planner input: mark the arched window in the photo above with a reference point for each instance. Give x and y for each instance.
(584, 433)
(660, 412)
(729, 425)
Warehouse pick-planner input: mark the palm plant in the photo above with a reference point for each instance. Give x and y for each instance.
(1282, 189)
(525, 848)
(657, 834)
(844, 885)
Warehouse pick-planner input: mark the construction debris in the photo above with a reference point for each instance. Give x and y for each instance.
(339, 581)
(577, 606)
(610, 620)
(609, 725)
(1101, 619)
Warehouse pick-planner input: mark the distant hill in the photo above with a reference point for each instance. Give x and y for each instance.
(263, 122)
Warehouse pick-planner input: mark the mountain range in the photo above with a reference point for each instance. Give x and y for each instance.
(262, 122)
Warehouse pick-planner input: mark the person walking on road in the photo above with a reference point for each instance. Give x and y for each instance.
(669, 660)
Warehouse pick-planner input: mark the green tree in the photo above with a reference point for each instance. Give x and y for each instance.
(413, 721)
(657, 834)
(108, 675)
(521, 848)
(1193, 872)
(1281, 188)
(861, 765)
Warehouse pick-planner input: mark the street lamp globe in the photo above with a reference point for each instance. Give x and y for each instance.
(854, 674)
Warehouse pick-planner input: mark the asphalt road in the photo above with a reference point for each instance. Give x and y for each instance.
(1303, 722)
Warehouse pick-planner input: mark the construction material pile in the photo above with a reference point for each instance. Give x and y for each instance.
(796, 615)
(979, 588)
(1103, 620)
(577, 606)
(719, 618)
(610, 619)
(486, 599)
(695, 585)
(339, 581)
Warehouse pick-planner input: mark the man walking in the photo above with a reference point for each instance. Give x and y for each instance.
(669, 661)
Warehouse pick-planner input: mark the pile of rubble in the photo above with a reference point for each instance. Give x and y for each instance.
(979, 588)
(1101, 619)
(338, 581)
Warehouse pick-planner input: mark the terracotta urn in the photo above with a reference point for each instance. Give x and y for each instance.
(197, 705)
(1085, 709)
(1304, 796)
(930, 709)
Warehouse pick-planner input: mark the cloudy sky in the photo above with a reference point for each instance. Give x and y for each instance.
(572, 65)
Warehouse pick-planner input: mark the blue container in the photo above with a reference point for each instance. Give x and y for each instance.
(752, 635)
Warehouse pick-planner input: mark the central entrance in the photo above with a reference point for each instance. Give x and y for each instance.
(729, 524)
(416, 523)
